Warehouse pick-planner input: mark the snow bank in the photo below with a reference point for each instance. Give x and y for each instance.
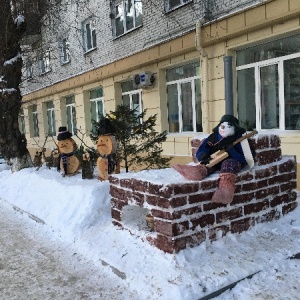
(69, 205)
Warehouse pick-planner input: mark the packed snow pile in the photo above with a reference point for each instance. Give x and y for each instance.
(77, 211)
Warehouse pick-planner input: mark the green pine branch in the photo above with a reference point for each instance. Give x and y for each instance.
(138, 143)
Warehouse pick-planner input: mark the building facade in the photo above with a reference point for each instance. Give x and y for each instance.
(168, 57)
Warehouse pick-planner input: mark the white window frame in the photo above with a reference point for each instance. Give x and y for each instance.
(51, 119)
(96, 100)
(169, 7)
(257, 65)
(89, 36)
(179, 82)
(64, 51)
(45, 62)
(122, 15)
(71, 114)
(130, 94)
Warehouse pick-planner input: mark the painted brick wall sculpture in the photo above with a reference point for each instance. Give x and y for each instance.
(182, 210)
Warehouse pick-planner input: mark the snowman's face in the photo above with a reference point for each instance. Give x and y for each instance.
(226, 129)
(104, 144)
(66, 146)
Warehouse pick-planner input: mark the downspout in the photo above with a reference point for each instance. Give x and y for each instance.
(228, 85)
(204, 78)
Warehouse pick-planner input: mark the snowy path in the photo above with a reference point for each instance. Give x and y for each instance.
(33, 267)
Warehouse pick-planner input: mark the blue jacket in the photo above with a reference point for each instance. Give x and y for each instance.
(215, 142)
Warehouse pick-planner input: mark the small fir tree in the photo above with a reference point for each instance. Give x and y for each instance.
(138, 143)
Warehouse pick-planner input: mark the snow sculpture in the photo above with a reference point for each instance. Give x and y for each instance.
(107, 147)
(222, 151)
(68, 163)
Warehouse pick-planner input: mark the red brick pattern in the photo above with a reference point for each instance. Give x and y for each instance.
(184, 215)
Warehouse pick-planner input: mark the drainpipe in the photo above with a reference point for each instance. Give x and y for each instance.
(228, 85)
(204, 78)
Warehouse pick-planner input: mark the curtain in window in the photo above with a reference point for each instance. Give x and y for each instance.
(246, 96)
(71, 114)
(292, 93)
(51, 119)
(173, 109)
(184, 98)
(119, 20)
(269, 97)
(35, 121)
(22, 121)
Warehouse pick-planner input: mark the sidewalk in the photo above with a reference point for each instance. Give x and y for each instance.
(34, 267)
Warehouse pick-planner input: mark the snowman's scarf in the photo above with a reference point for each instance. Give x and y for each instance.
(64, 157)
(111, 160)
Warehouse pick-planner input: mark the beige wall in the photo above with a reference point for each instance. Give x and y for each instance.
(155, 60)
(273, 19)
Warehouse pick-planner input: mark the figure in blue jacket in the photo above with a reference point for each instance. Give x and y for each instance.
(222, 138)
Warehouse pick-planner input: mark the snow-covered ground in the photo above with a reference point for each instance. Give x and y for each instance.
(77, 212)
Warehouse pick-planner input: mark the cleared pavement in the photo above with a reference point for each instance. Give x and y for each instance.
(34, 267)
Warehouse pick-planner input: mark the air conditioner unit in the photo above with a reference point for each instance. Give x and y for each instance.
(143, 80)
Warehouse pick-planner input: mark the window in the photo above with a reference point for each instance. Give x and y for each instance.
(97, 107)
(172, 4)
(44, 62)
(51, 118)
(268, 85)
(89, 35)
(34, 121)
(131, 97)
(64, 51)
(29, 69)
(22, 121)
(127, 16)
(184, 98)
(71, 114)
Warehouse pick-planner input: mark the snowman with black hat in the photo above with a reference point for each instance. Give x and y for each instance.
(68, 163)
(107, 147)
(223, 138)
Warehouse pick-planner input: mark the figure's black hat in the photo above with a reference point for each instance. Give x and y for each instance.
(63, 133)
(105, 127)
(234, 121)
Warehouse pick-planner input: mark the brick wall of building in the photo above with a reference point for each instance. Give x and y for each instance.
(158, 27)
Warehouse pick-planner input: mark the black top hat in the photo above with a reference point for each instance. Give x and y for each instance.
(63, 133)
(105, 127)
(234, 121)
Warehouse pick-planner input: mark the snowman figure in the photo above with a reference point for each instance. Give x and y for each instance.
(68, 163)
(106, 146)
(223, 137)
